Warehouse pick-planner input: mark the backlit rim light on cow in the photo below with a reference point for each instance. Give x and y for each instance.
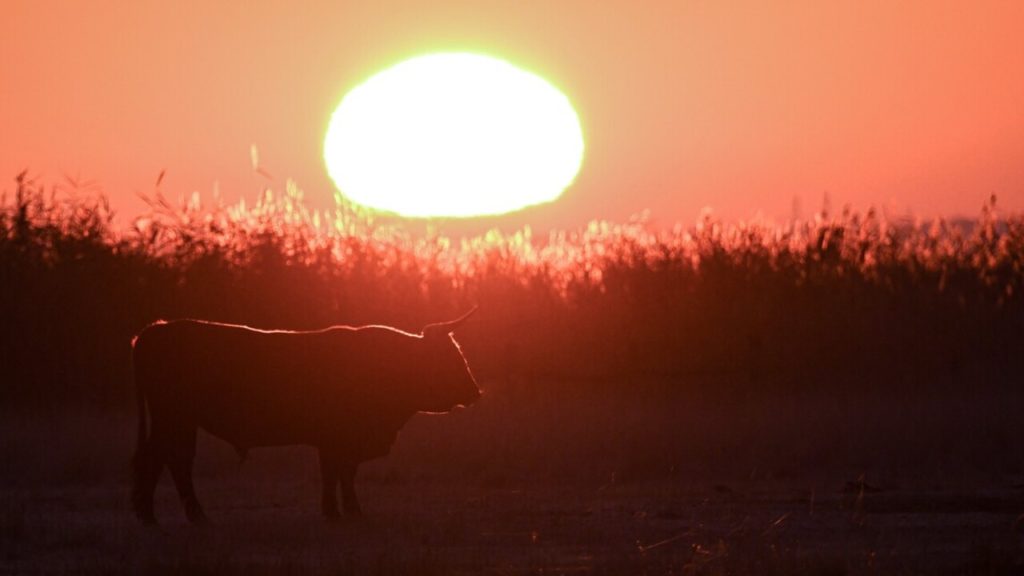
(345, 390)
(453, 135)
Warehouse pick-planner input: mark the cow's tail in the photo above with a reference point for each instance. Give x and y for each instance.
(142, 497)
(140, 402)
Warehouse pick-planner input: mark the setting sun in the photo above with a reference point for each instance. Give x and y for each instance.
(453, 135)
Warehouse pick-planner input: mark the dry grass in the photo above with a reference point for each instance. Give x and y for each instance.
(601, 484)
(891, 304)
(695, 400)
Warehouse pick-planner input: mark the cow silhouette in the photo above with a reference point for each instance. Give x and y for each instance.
(344, 390)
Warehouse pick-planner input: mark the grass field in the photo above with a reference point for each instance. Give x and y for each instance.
(840, 395)
(550, 483)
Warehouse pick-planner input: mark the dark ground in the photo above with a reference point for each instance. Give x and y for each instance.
(536, 479)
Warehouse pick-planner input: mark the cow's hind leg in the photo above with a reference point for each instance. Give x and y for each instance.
(147, 464)
(347, 474)
(180, 456)
(329, 484)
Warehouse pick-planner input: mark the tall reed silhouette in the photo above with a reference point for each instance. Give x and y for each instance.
(914, 303)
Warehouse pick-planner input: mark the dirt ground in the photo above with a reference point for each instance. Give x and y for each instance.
(271, 526)
(489, 491)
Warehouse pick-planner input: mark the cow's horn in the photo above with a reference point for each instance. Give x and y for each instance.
(441, 328)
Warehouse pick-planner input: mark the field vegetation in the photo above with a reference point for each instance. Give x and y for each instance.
(903, 304)
(834, 395)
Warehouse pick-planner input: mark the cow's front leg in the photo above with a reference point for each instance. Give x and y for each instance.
(349, 502)
(329, 484)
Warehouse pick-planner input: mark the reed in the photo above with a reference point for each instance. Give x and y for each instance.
(783, 304)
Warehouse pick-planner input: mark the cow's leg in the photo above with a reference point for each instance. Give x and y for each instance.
(147, 464)
(329, 484)
(181, 454)
(347, 473)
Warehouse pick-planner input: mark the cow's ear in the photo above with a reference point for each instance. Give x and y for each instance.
(444, 328)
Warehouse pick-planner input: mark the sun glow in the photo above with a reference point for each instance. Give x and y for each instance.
(453, 135)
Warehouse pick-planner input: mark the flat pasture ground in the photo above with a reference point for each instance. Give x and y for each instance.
(555, 488)
(270, 526)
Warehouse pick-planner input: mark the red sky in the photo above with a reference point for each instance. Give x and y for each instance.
(742, 106)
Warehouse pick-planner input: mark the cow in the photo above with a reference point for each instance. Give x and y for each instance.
(343, 390)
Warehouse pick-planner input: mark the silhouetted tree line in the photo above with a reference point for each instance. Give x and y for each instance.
(776, 307)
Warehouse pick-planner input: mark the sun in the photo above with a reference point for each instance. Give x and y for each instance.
(453, 135)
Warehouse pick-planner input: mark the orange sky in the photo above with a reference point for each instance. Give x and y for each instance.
(742, 106)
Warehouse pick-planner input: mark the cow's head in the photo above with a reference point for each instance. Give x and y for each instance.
(447, 381)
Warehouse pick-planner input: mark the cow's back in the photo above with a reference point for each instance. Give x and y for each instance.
(255, 387)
